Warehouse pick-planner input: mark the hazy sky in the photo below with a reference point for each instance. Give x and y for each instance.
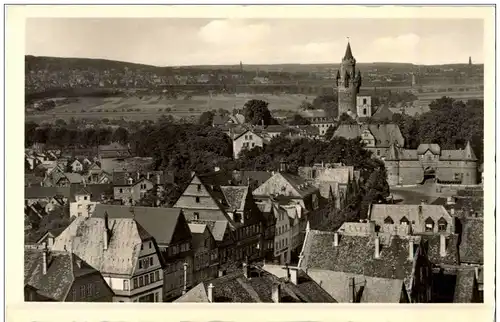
(256, 41)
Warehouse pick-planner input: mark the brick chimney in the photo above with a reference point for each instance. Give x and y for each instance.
(276, 292)
(211, 293)
(442, 245)
(410, 250)
(106, 236)
(335, 239)
(184, 288)
(377, 247)
(293, 275)
(45, 259)
(245, 270)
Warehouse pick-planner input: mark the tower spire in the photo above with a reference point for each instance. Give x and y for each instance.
(348, 51)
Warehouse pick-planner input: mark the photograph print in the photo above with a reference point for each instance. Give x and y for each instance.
(252, 160)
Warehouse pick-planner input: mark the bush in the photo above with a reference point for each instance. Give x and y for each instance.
(137, 109)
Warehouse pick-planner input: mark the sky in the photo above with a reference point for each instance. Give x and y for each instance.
(183, 41)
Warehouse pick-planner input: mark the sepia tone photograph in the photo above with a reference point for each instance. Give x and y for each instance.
(254, 160)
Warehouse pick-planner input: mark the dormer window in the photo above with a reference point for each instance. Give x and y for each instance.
(429, 224)
(404, 221)
(388, 221)
(442, 224)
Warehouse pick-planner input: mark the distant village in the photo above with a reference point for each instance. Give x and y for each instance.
(257, 236)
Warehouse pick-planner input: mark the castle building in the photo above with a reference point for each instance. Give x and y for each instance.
(428, 161)
(348, 84)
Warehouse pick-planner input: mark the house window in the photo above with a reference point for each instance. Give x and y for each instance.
(85, 198)
(442, 224)
(136, 283)
(152, 277)
(156, 296)
(150, 245)
(364, 111)
(388, 220)
(125, 285)
(199, 188)
(429, 224)
(250, 137)
(146, 279)
(140, 262)
(121, 190)
(197, 199)
(151, 261)
(82, 291)
(364, 100)
(157, 276)
(141, 281)
(196, 216)
(378, 152)
(404, 221)
(74, 294)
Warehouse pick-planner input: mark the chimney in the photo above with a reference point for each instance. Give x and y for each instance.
(138, 175)
(442, 245)
(276, 292)
(422, 202)
(211, 293)
(106, 230)
(449, 200)
(377, 247)
(184, 289)
(410, 250)
(45, 257)
(335, 239)
(245, 270)
(452, 211)
(216, 169)
(353, 289)
(293, 275)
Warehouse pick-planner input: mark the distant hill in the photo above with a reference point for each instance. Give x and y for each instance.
(65, 64)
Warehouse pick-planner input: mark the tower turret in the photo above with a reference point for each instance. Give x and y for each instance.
(348, 83)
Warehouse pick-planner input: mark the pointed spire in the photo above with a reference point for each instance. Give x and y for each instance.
(348, 52)
(469, 153)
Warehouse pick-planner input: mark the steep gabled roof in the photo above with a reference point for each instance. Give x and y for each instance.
(61, 272)
(85, 238)
(158, 221)
(348, 52)
(257, 288)
(471, 246)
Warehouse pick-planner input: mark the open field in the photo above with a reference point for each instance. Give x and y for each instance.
(152, 107)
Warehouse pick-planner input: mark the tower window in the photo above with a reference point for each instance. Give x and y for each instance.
(364, 111)
(364, 101)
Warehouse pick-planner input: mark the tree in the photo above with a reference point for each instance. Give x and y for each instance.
(329, 103)
(120, 135)
(256, 112)
(346, 119)
(206, 118)
(299, 120)
(305, 105)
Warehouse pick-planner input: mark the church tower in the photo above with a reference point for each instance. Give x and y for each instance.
(348, 83)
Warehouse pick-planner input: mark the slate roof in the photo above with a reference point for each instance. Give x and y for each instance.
(120, 177)
(84, 237)
(32, 180)
(303, 187)
(237, 288)
(74, 177)
(383, 113)
(415, 213)
(471, 246)
(96, 191)
(384, 134)
(158, 221)
(372, 289)
(355, 255)
(465, 286)
(434, 148)
(244, 176)
(61, 272)
(216, 227)
(433, 242)
(36, 192)
(235, 196)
